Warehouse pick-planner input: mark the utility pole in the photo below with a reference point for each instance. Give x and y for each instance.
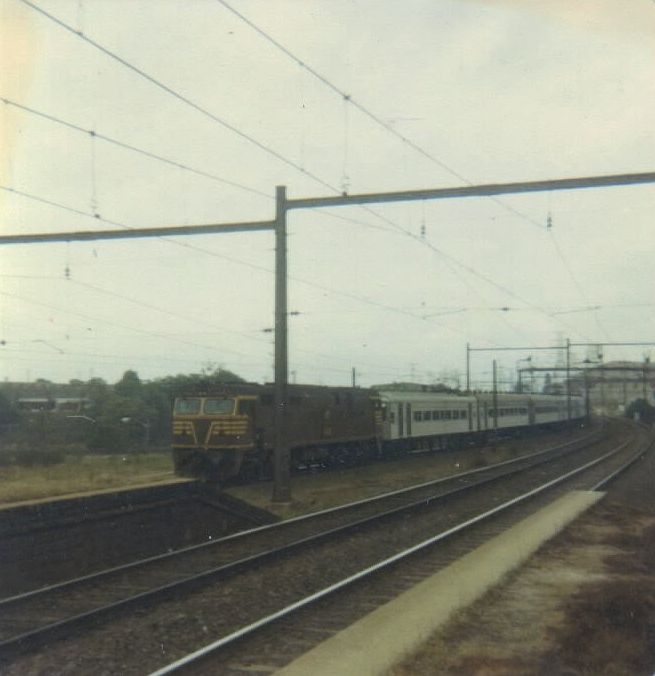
(495, 398)
(468, 368)
(281, 459)
(354, 378)
(568, 380)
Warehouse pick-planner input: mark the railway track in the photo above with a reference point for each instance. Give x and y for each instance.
(366, 532)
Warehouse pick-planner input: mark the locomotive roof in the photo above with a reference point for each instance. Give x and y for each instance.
(235, 389)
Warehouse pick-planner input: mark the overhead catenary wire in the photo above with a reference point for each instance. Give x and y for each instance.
(231, 127)
(166, 336)
(181, 97)
(311, 283)
(178, 164)
(349, 99)
(576, 283)
(109, 322)
(136, 149)
(208, 252)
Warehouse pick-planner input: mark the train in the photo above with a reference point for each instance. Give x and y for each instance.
(228, 431)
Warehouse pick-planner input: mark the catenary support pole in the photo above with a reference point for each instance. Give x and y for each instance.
(495, 397)
(468, 368)
(281, 460)
(568, 380)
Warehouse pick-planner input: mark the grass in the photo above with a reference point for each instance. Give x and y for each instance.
(78, 474)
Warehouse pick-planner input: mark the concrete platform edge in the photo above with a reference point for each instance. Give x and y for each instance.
(376, 642)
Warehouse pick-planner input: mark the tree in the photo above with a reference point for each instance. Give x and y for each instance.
(8, 413)
(640, 410)
(129, 385)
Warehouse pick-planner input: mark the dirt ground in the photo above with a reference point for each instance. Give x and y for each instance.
(583, 605)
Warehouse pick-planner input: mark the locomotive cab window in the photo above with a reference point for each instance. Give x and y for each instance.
(223, 406)
(187, 406)
(246, 407)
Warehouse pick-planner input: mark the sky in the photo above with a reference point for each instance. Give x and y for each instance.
(464, 92)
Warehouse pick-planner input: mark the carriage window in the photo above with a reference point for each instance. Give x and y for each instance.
(447, 415)
(463, 415)
(417, 416)
(427, 415)
(187, 406)
(455, 415)
(219, 406)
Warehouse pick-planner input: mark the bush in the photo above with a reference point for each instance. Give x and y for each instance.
(35, 455)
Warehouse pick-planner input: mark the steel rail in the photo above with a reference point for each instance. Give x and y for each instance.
(637, 456)
(97, 576)
(54, 629)
(248, 630)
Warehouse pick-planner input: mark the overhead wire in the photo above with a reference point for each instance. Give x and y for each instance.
(176, 163)
(73, 313)
(136, 149)
(150, 306)
(348, 98)
(576, 282)
(258, 143)
(184, 99)
(232, 259)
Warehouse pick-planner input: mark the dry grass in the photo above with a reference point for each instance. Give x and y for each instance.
(609, 628)
(83, 473)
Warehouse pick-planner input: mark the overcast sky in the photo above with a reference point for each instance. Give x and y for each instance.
(487, 92)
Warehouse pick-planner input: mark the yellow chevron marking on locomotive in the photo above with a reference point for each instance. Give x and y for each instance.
(184, 428)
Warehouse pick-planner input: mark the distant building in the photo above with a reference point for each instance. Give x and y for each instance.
(614, 385)
(42, 395)
(70, 405)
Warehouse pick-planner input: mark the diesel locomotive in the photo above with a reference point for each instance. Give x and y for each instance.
(229, 430)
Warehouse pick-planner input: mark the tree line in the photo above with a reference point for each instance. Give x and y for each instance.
(127, 416)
